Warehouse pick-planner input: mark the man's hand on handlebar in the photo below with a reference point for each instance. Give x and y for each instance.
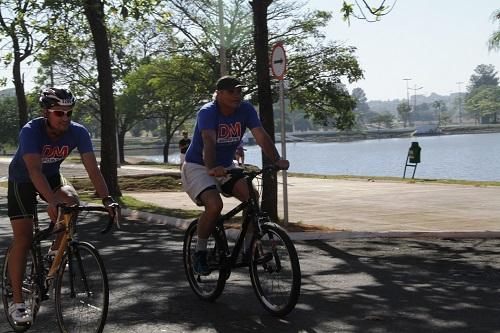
(113, 208)
(218, 171)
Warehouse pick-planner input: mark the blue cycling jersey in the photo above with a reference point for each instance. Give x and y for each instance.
(33, 139)
(229, 131)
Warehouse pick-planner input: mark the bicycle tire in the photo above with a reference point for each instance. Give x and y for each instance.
(30, 290)
(275, 270)
(82, 291)
(206, 287)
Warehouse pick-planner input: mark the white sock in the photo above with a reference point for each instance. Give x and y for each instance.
(201, 244)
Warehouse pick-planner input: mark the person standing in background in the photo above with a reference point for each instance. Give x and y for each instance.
(183, 146)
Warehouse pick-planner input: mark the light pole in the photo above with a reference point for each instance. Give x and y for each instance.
(407, 92)
(415, 96)
(459, 102)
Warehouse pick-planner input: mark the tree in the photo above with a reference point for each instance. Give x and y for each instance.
(366, 11)
(485, 102)
(481, 93)
(17, 23)
(440, 107)
(483, 75)
(386, 119)
(362, 108)
(9, 121)
(171, 90)
(261, 48)
(404, 112)
(133, 43)
(494, 41)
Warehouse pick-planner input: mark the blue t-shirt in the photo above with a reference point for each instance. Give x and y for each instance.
(33, 139)
(229, 131)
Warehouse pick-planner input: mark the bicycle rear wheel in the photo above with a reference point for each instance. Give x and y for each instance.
(275, 270)
(207, 287)
(30, 290)
(82, 292)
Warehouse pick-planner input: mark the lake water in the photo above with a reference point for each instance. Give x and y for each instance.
(467, 157)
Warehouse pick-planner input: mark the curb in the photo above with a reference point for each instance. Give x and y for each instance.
(303, 236)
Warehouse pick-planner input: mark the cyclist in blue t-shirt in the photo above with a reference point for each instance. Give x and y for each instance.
(44, 143)
(220, 125)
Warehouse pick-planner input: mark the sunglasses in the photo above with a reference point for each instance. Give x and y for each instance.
(60, 113)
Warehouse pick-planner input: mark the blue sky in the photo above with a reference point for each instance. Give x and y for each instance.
(436, 43)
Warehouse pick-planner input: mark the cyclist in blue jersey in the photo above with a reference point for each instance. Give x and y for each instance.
(219, 128)
(44, 143)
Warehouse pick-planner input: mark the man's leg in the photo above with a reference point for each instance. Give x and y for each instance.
(213, 206)
(206, 223)
(23, 236)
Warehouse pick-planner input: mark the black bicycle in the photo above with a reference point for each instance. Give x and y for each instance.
(273, 261)
(81, 284)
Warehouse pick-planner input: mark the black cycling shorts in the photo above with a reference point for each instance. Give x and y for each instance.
(22, 197)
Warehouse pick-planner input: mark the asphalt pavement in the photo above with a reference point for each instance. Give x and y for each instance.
(349, 285)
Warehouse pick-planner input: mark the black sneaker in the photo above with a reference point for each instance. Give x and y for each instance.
(200, 265)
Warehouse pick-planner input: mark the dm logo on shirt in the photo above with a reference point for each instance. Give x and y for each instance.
(52, 154)
(229, 133)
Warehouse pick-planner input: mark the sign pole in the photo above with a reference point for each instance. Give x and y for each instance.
(283, 152)
(278, 68)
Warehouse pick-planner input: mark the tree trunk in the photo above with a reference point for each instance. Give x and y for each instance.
(168, 126)
(22, 104)
(94, 11)
(269, 181)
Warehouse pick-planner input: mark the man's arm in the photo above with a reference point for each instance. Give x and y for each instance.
(266, 143)
(209, 155)
(95, 175)
(34, 166)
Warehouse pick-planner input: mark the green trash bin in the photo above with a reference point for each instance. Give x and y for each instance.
(414, 153)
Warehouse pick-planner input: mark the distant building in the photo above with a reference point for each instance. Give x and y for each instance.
(9, 92)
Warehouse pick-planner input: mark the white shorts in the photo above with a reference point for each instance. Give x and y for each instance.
(195, 179)
(182, 157)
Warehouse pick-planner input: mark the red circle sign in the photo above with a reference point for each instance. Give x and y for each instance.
(278, 61)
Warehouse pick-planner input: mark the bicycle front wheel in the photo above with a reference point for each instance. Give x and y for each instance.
(207, 287)
(275, 270)
(82, 292)
(29, 289)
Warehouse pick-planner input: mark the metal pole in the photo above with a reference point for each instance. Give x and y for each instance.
(283, 152)
(459, 102)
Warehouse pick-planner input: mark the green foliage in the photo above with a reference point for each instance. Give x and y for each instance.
(494, 41)
(386, 119)
(484, 101)
(311, 61)
(483, 75)
(404, 112)
(9, 121)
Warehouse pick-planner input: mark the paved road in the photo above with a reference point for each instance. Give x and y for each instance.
(362, 285)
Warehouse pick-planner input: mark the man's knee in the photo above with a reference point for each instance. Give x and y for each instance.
(212, 202)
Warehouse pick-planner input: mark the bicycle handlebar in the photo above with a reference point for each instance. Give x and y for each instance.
(253, 173)
(113, 218)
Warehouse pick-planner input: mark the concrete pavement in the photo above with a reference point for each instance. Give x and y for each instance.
(362, 208)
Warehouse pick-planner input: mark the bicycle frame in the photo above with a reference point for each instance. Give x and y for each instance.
(251, 211)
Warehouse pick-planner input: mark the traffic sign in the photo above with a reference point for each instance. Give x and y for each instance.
(278, 61)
